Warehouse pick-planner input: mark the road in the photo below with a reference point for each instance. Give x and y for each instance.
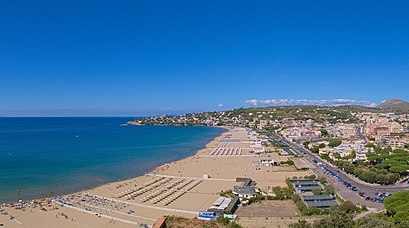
(370, 189)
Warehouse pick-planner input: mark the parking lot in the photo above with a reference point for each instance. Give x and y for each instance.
(345, 192)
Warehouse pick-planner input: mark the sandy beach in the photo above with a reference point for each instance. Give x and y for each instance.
(179, 188)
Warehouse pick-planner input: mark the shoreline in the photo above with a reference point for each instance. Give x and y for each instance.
(150, 171)
(182, 187)
(215, 139)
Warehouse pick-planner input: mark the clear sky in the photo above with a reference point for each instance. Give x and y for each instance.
(138, 58)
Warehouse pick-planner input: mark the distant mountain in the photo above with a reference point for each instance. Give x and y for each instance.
(395, 105)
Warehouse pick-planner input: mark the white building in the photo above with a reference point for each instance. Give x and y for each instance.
(264, 161)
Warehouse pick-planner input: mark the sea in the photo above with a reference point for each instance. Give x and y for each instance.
(43, 157)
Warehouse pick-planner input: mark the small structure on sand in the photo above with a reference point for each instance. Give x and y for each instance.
(263, 160)
(247, 190)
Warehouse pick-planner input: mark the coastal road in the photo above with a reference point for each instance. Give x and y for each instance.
(370, 189)
(309, 156)
(346, 193)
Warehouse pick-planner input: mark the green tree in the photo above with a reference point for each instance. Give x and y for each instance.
(374, 221)
(312, 176)
(370, 145)
(324, 132)
(306, 143)
(369, 176)
(329, 189)
(399, 168)
(222, 220)
(316, 192)
(315, 150)
(348, 207)
(352, 155)
(382, 179)
(334, 142)
(402, 224)
(336, 219)
(322, 180)
(300, 224)
(234, 225)
(397, 206)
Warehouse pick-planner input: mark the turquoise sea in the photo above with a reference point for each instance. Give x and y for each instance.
(41, 157)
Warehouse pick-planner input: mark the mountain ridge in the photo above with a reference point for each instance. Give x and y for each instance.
(395, 105)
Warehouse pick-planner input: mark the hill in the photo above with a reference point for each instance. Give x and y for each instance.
(395, 105)
(254, 115)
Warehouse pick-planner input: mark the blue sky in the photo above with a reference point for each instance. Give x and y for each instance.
(138, 58)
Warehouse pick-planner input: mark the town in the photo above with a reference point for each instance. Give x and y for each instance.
(295, 166)
(204, 114)
(360, 152)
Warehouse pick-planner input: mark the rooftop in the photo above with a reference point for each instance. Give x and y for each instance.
(308, 188)
(325, 203)
(318, 198)
(245, 190)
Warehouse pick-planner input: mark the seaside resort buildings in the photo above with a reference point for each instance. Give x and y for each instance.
(235, 162)
(377, 128)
